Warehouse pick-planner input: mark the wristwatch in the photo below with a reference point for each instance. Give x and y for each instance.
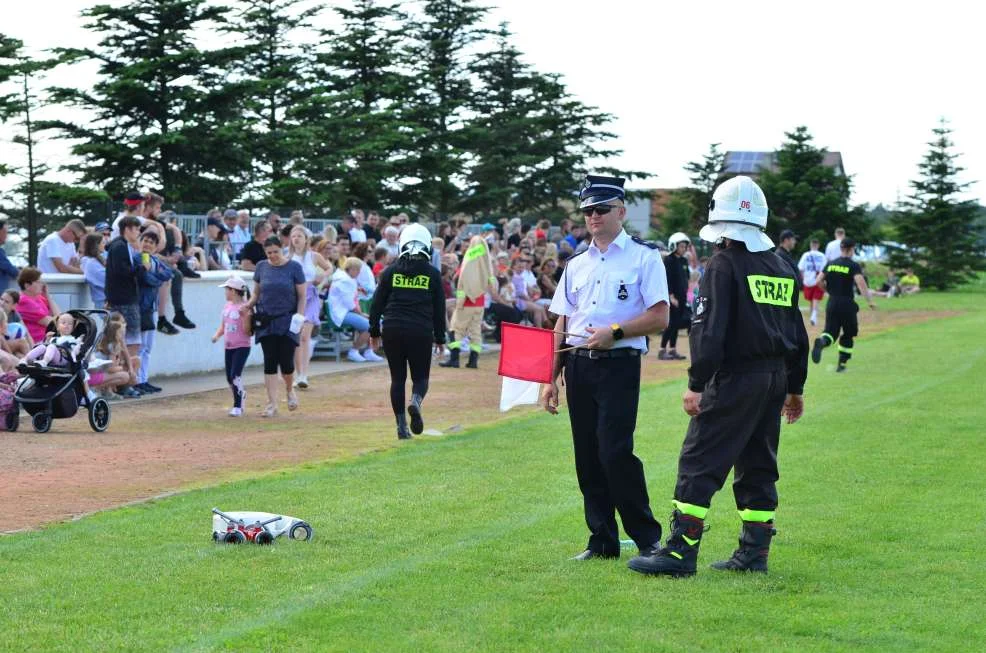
(617, 331)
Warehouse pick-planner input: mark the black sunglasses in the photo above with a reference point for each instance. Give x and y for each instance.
(601, 209)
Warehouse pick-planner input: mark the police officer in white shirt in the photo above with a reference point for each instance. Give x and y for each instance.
(608, 299)
(834, 249)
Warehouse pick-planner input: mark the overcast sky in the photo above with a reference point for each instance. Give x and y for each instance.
(869, 79)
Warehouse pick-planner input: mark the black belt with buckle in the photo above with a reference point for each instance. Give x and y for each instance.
(595, 354)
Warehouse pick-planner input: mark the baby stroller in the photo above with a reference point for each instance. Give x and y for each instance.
(57, 392)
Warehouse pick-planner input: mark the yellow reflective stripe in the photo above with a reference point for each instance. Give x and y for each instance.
(690, 509)
(776, 291)
(460, 294)
(756, 515)
(476, 348)
(475, 252)
(689, 541)
(675, 554)
(845, 350)
(454, 345)
(828, 337)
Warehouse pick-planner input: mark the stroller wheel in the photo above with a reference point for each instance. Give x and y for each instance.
(234, 537)
(99, 415)
(41, 422)
(301, 531)
(13, 419)
(263, 537)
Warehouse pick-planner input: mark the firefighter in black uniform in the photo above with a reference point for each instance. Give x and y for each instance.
(609, 298)
(839, 278)
(749, 353)
(678, 272)
(411, 302)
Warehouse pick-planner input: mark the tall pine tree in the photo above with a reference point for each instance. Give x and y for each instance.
(441, 50)
(807, 196)
(355, 117)
(159, 109)
(268, 67)
(942, 240)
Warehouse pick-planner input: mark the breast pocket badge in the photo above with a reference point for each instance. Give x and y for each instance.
(622, 292)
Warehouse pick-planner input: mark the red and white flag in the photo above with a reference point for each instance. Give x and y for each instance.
(526, 360)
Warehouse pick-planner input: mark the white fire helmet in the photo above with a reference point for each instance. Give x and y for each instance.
(677, 237)
(738, 211)
(415, 240)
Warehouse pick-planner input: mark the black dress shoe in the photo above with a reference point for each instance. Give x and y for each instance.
(589, 554)
(166, 327)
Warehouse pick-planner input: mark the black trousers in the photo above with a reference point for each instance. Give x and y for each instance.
(235, 362)
(670, 335)
(841, 315)
(738, 427)
(602, 399)
(407, 350)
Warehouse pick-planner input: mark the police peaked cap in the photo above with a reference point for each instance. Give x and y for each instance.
(598, 190)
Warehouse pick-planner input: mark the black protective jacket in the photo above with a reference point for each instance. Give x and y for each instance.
(410, 298)
(747, 311)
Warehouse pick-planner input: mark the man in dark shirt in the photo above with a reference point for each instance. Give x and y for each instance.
(788, 241)
(371, 228)
(749, 352)
(122, 292)
(253, 252)
(838, 278)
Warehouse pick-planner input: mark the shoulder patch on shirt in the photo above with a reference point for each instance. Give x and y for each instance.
(639, 241)
(701, 306)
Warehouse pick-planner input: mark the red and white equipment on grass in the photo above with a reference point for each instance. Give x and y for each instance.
(257, 527)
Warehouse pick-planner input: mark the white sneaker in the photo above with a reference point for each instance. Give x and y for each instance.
(814, 318)
(302, 382)
(372, 357)
(235, 412)
(355, 356)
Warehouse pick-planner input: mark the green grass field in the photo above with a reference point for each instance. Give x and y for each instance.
(462, 543)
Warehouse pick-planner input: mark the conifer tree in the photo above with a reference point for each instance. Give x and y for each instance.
(941, 238)
(159, 111)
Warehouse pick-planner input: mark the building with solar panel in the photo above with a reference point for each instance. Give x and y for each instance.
(752, 163)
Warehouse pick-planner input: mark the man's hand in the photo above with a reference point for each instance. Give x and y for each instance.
(794, 407)
(439, 349)
(674, 301)
(375, 343)
(690, 401)
(599, 338)
(549, 398)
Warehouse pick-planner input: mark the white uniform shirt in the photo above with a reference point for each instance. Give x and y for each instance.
(598, 289)
(239, 237)
(115, 229)
(833, 250)
(811, 264)
(54, 247)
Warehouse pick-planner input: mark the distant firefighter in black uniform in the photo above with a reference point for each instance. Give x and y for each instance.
(838, 278)
(678, 272)
(411, 302)
(749, 353)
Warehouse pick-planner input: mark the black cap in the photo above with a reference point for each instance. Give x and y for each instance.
(847, 243)
(787, 233)
(597, 190)
(216, 222)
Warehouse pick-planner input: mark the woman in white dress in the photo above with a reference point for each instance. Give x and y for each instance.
(317, 272)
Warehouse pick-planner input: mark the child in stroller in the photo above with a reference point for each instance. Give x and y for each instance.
(57, 392)
(59, 348)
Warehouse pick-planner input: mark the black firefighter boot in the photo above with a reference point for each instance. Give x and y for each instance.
(679, 555)
(473, 360)
(402, 432)
(754, 545)
(414, 410)
(453, 359)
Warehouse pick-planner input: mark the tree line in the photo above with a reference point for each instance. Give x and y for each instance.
(933, 230)
(415, 107)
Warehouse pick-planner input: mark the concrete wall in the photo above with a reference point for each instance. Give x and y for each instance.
(191, 350)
